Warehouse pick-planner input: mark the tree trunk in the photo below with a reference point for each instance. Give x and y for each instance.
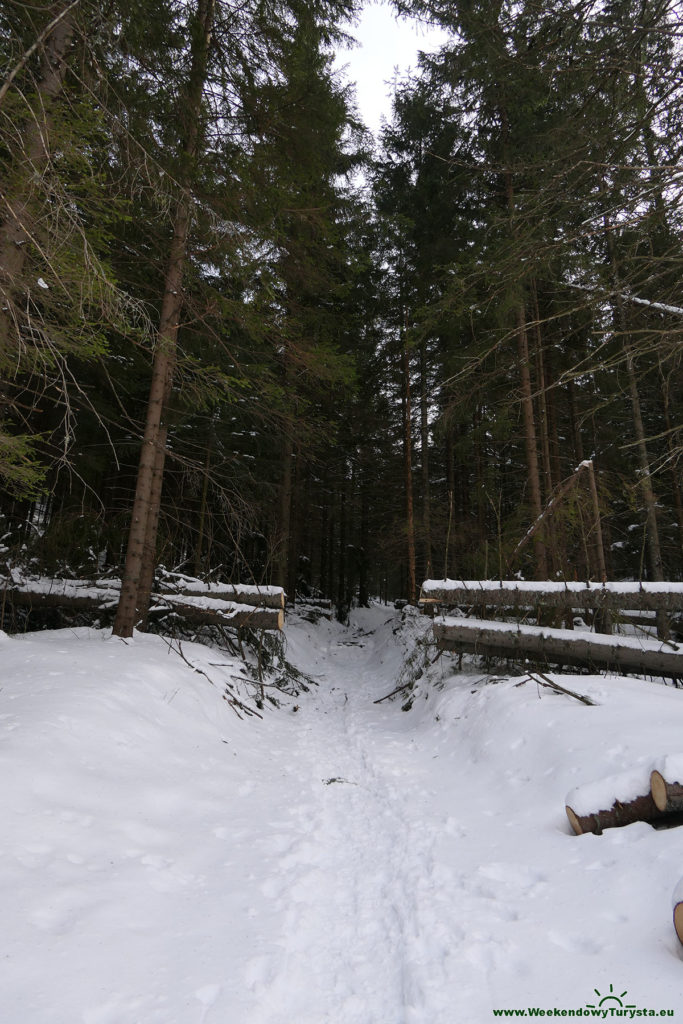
(424, 464)
(136, 585)
(554, 559)
(363, 566)
(673, 461)
(573, 419)
(342, 568)
(408, 476)
(652, 544)
(203, 503)
(535, 502)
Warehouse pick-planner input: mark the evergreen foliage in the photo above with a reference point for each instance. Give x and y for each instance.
(376, 367)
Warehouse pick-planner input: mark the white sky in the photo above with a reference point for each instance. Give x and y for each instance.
(386, 43)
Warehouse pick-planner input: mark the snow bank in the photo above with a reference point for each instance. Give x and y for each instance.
(671, 767)
(339, 861)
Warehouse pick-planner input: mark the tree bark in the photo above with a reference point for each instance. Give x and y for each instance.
(408, 476)
(535, 501)
(285, 517)
(652, 544)
(136, 584)
(424, 463)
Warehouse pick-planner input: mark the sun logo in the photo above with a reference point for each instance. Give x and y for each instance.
(611, 997)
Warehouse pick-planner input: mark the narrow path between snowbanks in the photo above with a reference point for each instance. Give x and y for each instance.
(366, 905)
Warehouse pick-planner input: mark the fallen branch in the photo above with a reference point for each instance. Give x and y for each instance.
(406, 686)
(543, 680)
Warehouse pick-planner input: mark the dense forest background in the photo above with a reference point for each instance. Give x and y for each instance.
(288, 355)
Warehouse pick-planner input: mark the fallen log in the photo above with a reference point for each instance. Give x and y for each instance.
(666, 785)
(651, 596)
(211, 611)
(75, 594)
(613, 802)
(237, 593)
(256, 595)
(559, 646)
(678, 910)
(80, 595)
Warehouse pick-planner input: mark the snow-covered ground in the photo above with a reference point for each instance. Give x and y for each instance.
(337, 862)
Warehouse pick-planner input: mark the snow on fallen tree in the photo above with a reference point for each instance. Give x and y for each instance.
(101, 597)
(239, 593)
(213, 611)
(650, 596)
(612, 802)
(559, 646)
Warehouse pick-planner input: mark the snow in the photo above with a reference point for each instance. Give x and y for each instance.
(677, 894)
(670, 767)
(163, 861)
(601, 794)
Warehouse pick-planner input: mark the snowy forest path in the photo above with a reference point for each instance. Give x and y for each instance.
(363, 881)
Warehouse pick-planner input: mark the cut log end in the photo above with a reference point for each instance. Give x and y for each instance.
(668, 796)
(678, 921)
(574, 821)
(658, 789)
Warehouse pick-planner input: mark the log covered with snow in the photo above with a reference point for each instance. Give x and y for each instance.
(559, 646)
(214, 611)
(238, 593)
(101, 597)
(80, 595)
(554, 594)
(613, 802)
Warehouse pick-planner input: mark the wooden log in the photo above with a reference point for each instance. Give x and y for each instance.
(210, 611)
(612, 802)
(667, 795)
(77, 595)
(559, 646)
(238, 593)
(678, 910)
(64, 594)
(554, 594)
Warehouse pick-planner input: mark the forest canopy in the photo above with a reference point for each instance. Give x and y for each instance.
(241, 339)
